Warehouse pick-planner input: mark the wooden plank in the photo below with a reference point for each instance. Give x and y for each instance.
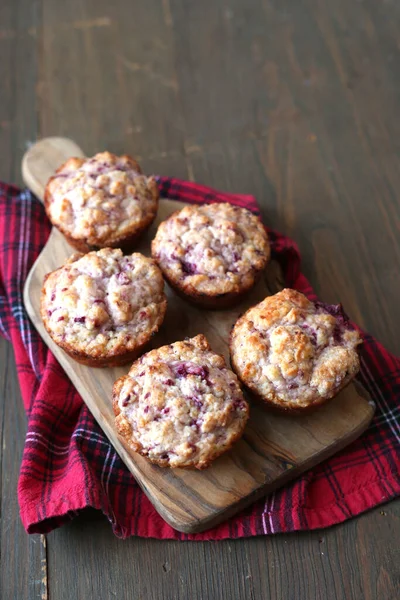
(19, 23)
(318, 565)
(119, 82)
(23, 559)
(23, 565)
(274, 448)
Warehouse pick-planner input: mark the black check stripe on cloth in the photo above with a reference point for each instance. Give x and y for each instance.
(68, 463)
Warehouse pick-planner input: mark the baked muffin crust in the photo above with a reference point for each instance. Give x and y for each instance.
(180, 406)
(212, 253)
(104, 201)
(294, 354)
(103, 307)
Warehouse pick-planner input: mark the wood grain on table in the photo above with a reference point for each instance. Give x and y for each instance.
(295, 101)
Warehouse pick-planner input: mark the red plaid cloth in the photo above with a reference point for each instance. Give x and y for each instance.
(69, 464)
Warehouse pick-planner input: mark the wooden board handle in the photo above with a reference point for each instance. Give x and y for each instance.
(42, 160)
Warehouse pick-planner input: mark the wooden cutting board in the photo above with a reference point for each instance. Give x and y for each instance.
(274, 448)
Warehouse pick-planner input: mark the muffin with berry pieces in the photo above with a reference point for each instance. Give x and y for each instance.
(294, 354)
(180, 406)
(212, 254)
(101, 202)
(102, 307)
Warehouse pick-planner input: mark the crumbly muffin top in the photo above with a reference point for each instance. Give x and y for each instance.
(214, 248)
(103, 301)
(102, 198)
(291, 351)
(183, 404)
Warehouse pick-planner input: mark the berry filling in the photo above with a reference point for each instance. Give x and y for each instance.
(185, 369)
(123, 279)
(80, 319)
(189, 268)
(126, 400)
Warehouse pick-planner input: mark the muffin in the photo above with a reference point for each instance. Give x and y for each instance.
(211, 254)
(101, 202)
(103, 307)
(293, 354)
(180, 406)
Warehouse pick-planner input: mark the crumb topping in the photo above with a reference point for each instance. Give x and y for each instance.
(213, 248)
(102, 198)
(183, 405)
(102, 301)
(289, 350)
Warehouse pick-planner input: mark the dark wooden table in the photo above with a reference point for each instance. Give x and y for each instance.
(295, 101)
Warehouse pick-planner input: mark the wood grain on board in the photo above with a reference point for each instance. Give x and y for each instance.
(274, 448)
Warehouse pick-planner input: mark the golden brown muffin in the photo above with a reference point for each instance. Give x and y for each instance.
(212, 254)
(100, 202)
(180, 406)
(293, 354)
(103, 307)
